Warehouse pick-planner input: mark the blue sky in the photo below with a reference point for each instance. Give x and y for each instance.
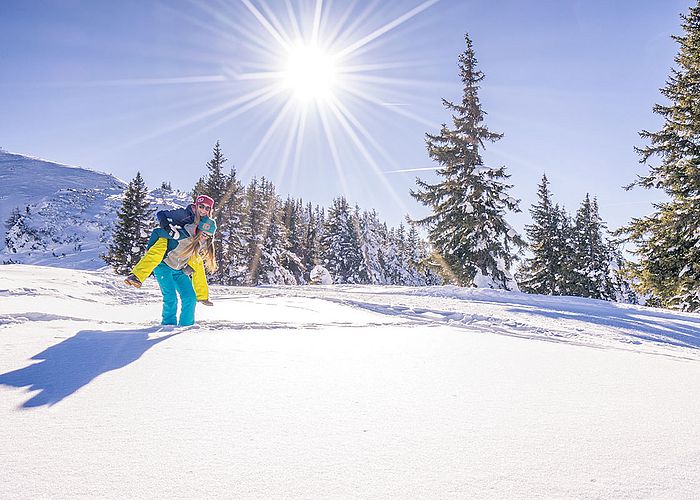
(146, 86)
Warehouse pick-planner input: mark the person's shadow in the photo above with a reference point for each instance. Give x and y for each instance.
(75, 362)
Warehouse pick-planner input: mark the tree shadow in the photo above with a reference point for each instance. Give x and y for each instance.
(66, 367)
(651, 326)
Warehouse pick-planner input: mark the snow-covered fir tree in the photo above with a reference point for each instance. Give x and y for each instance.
(254, 222)
(545, 272)
(567, 284)
(216, 185)
(268, 254)
(592, 258)
(572, 257)
(373, 237)
(312, 222)
(668, 240)
(310, 239)
(132, 228)
(341, 245)
(18, 231)
(14, 218)
(415, 256)
(232, 233)
(294, 223)
(467, 226)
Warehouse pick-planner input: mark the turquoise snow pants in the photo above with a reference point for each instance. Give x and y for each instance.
(173, 283)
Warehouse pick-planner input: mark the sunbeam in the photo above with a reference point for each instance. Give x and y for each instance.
(367, 156)
(205, 114)
(334, 152)
(282, 167)
(387, 27)
(266, 24)
(301, 129)
(266, 138)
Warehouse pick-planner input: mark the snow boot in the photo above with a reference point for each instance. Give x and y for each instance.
(132, 280)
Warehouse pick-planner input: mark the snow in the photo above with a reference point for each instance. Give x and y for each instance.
(341, 391)
(27, 181)
(319, 275)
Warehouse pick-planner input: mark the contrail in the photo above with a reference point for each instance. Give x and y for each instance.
(410, 170)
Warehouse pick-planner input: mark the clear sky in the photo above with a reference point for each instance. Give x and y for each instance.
(150, 86)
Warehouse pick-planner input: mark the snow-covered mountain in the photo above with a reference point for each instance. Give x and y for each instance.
(59, 215)
(341, 392)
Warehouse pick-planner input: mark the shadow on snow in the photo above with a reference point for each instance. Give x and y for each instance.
(66, 367)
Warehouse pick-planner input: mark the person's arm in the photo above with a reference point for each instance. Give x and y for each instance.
(178, 217)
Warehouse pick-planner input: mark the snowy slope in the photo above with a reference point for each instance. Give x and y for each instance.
(27, 181)
(341, 392)
(67, 213)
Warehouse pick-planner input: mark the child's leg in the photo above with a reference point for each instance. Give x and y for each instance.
(164, 275)
(187, 296)
(153, 256)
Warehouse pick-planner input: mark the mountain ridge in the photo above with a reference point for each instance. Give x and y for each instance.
(61, 215)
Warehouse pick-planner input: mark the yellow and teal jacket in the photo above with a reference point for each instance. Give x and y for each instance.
(160, 244)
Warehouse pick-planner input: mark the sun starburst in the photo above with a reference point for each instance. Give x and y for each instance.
(310, 72)
(303, 76)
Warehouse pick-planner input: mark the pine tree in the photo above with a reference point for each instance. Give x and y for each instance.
(132, 228)
(311, 239)
(254, 223)
(543, 273)
(214, 183)
(467, 226)
(415, 255)
(567, 241)
(591, 255)
(275, 258)
(293, 213)
(220, 187)
(668, 241)
(232, 236)
(17, 229)
(269, 259)
(373, 239)
(14, 218)
(341, 245)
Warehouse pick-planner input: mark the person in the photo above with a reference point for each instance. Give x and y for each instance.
(181, 271)
(172, 221)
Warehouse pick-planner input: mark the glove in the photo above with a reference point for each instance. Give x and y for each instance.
(174, 231)
(206, 302)
(188, 270)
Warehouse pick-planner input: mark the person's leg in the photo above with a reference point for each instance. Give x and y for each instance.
(164, 276)
(187, 296)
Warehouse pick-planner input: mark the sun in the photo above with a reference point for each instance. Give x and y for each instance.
(305, 76)
(310, 73)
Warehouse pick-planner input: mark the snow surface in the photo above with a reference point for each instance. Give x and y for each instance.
(341, 392)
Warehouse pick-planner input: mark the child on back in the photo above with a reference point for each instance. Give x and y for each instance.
(178, 263)
(172, 222)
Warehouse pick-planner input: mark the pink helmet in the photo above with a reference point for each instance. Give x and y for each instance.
(203, 199)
